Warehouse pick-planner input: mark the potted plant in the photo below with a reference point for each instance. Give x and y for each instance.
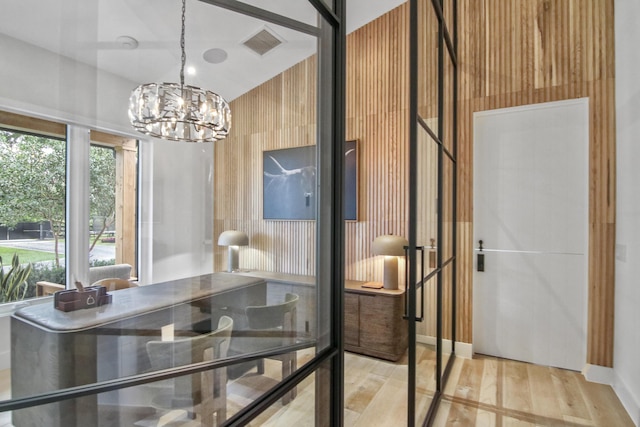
(13, 283)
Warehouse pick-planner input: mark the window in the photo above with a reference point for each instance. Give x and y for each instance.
(34, 204)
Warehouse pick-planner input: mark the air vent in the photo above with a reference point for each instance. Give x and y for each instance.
(262, 42)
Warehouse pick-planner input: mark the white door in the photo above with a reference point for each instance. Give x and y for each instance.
(531, 212)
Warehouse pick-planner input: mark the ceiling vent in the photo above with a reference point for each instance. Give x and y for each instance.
(263, 41)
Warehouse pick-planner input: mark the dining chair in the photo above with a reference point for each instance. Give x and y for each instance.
(208, 389)
(271, 327)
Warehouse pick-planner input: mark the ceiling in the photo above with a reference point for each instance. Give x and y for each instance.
(89, 30)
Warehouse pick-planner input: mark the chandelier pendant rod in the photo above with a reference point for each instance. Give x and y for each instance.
(182, 44)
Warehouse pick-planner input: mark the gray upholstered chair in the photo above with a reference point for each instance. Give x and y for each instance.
(208, 389)
(114, 284)
(271, 327)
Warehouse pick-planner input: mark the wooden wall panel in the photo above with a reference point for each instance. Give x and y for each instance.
(278, 114)
(377, 116)
(281, 113)
(523, 52)
(511, 53)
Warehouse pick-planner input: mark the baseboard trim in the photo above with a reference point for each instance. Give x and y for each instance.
(598, 374)
(628, 400)
(463, 349)
(608, 376)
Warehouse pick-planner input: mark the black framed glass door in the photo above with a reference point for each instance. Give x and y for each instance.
(432, 205)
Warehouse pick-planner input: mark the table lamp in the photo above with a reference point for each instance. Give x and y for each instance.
(233, 239)
(391, 247)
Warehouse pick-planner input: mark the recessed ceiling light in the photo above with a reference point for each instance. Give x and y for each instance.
(191, 71)
(127, 42)
(215, 55)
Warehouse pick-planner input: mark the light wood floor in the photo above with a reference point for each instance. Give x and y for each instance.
(483, 391)
(487, 391)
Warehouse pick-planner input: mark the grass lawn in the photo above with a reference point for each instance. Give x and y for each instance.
(24, 255)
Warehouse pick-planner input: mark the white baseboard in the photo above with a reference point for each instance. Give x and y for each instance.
(463, 349)
(628, 400)
(608, 376)
(598, 374)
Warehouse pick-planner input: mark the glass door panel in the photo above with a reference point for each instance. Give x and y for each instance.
(426, 349)
(426, 284)
(434, 190)
(428, 64)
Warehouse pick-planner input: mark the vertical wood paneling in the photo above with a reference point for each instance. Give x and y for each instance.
(278, 114)
(522, 52)
(126, 202)
(377, 116)
(281, 114)
(511, 53)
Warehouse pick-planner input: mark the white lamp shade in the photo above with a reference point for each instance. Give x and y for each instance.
(389, 245)
(233, 238)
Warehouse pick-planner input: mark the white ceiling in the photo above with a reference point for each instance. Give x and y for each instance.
(87, 31)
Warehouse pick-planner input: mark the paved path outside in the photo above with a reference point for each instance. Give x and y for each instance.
(99, 252)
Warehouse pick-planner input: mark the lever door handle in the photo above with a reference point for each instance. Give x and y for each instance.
(480, 258)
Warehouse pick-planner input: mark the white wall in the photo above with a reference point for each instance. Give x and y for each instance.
(176, 210)
(39, 83)
(627, 317)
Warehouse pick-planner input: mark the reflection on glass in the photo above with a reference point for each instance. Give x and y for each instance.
(448, 102)
(447, 313)
(447, 208)
(301, 11)
(209, 327)
(428, 64)
(427, 195)
(201, 399)
(426, 352)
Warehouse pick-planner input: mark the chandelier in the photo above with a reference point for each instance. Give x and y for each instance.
(179, 112)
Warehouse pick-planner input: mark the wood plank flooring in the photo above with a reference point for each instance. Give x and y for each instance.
(484, 391)
(487, 391)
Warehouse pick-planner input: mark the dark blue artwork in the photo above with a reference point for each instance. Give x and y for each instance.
(351, 181)
(289, 183)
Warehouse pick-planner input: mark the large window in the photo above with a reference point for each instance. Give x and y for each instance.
(33, 208)
(32, 211)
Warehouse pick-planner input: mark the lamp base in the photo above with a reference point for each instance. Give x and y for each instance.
(232, 261)
(390, 280)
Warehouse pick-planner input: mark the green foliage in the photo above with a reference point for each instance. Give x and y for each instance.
(33, 182)
(101, 262)
(13, 283)
(103, 190)
(26, 255)
(32, 178)
(47, 273)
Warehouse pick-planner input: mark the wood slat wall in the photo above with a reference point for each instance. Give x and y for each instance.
(278, 114)
(515, 53)
(511, 53)
(281, 114)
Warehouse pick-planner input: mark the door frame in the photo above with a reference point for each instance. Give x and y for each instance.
(583, 102)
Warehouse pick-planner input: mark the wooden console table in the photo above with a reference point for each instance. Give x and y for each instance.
(374, 323)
